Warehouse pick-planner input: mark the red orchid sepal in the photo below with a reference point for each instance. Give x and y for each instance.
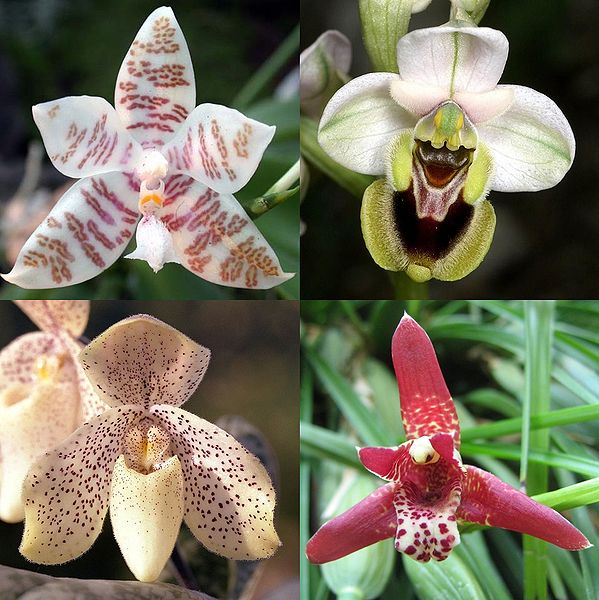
(430, 491)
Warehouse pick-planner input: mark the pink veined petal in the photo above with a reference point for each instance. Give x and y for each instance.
(141, 360)
(90, 404)
(18, 359)
(215, 239)
(484, 106)
(218, 146)
(66, 490)
(155, 87)
(456, 58)
(84, 136)
(371, 520)
(489, 501)
(55, 315)
(426, 404)
(84, 234)
(34, 418)
(385, 462)
(229, 498)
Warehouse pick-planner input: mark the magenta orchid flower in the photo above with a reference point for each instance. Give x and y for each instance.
(152, 462)
(430, 491)
(155, 157)
(44, 394)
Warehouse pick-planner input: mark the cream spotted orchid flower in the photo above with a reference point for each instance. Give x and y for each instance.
(155, 157)
(152, 462)
(444, 134)
(44, 394)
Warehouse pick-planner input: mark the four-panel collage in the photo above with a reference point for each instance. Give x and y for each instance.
(298, 300)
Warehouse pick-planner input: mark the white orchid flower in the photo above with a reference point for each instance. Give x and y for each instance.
(44, 394)
(444, 133)
(153, 463)
(158, 157)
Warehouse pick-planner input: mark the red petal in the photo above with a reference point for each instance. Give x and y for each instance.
(489, 501)
(371, 520)
(384, 462)
(426, 405)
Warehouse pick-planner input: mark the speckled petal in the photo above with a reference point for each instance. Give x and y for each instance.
(66, 490)
(371, 520)
(426, 404)
(54, 315)
(489, 501)
(215, 239)
(384, 462)
(146, 513)
(84, 136)
(33, 419)
(141, 360)
(218, 146)
(155, 87)
(426, 531)
(229, 498)
(17, 360)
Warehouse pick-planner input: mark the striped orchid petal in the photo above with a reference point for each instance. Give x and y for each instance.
(218, 146)
(215, 239)
(155, 87)
(70, 316)
(84, 234)
(84, 136)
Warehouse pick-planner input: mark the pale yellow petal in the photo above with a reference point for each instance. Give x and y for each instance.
(66, 490)
(142, 360)
(146, 513)
(33, 419)
(55, 315)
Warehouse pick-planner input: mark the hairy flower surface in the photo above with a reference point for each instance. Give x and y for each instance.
(429, 489)
(155, 157)
(444, 133)
(44, 394)
(152, 462)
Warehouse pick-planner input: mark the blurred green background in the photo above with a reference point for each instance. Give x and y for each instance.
(51, 49)
(499, 358)
(253, 373)
(546, 242)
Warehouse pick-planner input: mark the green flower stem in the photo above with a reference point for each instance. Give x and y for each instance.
(538, 321)
(354, 183)
(406, 288)
(287, 180)
(266, 73)
(277, 194)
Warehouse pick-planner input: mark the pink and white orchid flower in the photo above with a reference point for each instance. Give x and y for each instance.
(44, 394)
(444, 134)
(158, 157)
(152, 462)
